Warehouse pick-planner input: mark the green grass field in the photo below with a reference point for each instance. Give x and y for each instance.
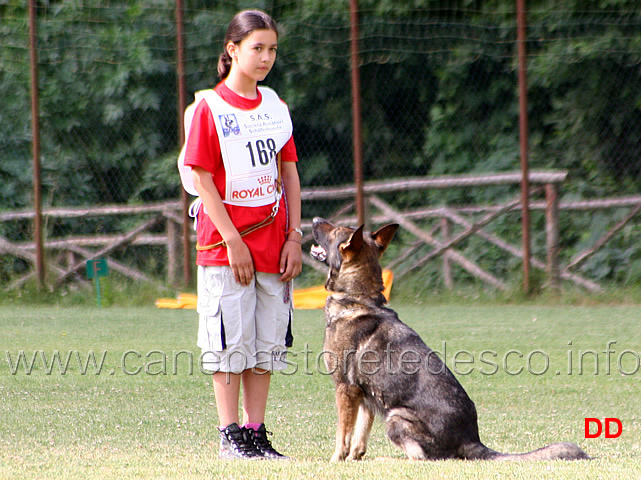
(144, 410)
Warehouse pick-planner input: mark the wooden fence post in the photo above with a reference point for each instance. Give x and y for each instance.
(552, 235)
(446, 229)
(174, 251)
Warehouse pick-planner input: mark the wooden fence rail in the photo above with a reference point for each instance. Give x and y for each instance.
(76, 250)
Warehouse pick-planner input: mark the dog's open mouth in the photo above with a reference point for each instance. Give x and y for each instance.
(318, 253)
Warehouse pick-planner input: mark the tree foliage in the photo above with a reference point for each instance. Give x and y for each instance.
(439, 92)
(444, 101)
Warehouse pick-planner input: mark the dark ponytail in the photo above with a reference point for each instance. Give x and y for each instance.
(243, 24)
(224, 65)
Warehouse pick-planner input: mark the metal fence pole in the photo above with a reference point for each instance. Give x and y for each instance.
(182, 104)
(523, 133)
(356, 114)
(35, 143)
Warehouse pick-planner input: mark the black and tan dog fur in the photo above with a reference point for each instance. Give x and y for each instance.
(382, 367)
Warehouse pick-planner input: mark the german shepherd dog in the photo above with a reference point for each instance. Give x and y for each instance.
(381, 366)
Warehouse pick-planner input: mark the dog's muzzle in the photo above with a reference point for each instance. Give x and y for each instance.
(318, 253)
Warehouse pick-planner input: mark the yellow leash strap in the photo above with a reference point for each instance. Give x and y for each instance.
(262, 223)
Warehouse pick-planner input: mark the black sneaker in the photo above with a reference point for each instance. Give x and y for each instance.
(263, 445)
(236, 442)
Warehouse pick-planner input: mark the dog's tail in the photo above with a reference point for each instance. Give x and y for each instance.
(556, 451)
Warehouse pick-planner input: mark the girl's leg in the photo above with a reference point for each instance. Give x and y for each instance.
(235, 441)
(227, 392)
(255, 393)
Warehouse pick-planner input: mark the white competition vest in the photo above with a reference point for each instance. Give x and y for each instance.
(249, 141)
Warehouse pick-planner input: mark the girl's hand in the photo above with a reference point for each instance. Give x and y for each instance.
(291, 260)
(240, 261)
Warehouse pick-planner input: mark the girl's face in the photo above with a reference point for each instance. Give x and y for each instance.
(255, 55)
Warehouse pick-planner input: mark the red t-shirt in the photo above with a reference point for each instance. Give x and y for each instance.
(203, 150)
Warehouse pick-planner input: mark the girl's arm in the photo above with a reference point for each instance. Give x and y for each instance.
(291, 262)
(238, 253)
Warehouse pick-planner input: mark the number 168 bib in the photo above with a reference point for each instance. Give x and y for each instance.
(249, 141)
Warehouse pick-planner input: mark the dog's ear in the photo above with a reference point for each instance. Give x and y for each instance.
(383, 236)
(353, 244)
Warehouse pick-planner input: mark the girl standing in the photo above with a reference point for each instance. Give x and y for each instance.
(243, 167)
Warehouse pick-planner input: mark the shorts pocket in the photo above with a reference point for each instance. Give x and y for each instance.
(210, 290)
(211, 330)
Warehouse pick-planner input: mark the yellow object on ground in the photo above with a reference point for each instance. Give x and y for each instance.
(314, 297)
(304, 298)
(184, 300)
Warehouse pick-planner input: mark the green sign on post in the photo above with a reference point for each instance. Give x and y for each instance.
(95, 269)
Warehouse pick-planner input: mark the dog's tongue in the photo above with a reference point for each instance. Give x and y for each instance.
(318, 253)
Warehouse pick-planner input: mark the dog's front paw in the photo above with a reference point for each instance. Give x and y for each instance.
(338, 457)
(355, 455)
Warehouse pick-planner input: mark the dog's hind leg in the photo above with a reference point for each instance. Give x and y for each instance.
(361, 433)
(348, 400)
(402, 428)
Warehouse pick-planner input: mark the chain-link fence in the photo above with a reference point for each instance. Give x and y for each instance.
(439, 96)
